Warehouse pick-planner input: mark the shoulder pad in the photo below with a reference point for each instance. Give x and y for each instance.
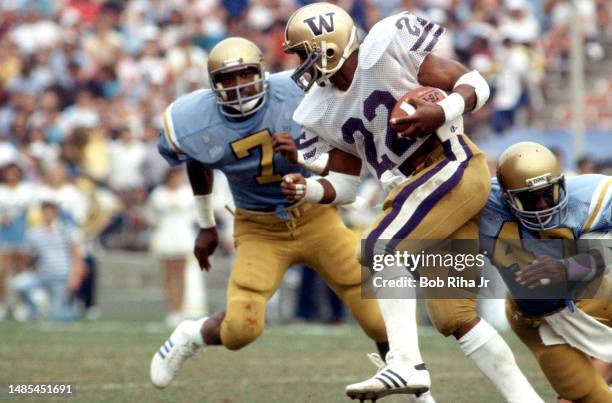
(189, 114)
(281, 85)
(377, 41)
(312, 108)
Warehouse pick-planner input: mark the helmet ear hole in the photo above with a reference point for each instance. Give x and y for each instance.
(330, 52)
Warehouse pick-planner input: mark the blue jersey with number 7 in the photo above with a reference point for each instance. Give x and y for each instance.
(195, 129)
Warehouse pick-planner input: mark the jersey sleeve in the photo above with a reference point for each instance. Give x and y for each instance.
(168, 151)
(168, 144)
(414, 39)
(312, 146)
(599, 217)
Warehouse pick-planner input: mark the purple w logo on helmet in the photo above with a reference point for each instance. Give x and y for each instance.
(324, 24)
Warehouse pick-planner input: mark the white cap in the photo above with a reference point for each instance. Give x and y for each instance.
(48, 197)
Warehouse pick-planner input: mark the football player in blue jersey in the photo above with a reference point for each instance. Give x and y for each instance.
(243, 127)
(532, 201)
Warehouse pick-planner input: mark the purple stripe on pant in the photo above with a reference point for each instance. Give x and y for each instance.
(425, 207)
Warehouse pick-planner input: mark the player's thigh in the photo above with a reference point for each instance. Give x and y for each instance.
(432, 204)
(452, 306)
(569, 371)
(329, 249)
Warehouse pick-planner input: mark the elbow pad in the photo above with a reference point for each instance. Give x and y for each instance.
(344, 185)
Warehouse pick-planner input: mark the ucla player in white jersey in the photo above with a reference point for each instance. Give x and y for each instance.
(531, 200)
(243, 127)
(437, 179)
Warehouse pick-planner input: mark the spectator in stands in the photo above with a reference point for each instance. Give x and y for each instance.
(73, 202)
(510, 84)
(126, 156)
(585, 166)
(55, 245)
(15, 200)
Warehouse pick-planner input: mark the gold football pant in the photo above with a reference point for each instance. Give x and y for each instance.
(441, 200)
(570, 371)
(266, 246)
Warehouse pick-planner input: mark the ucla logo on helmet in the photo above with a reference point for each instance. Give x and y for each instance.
(325, 25)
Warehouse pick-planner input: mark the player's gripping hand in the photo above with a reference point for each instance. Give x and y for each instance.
(282, 142)
(205, 244)
(293, 186)
(426, 119)
(544, 270)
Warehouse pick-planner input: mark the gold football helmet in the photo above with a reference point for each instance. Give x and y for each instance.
(232, 55)
(324, 36)
(533, 185)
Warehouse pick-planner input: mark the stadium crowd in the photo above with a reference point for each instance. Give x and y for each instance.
(83, 84)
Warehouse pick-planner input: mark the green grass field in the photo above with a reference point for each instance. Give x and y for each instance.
(109, 362)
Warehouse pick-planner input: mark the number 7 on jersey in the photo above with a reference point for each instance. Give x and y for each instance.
(262, 140)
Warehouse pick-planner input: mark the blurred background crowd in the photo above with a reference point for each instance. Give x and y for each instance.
(83, 84)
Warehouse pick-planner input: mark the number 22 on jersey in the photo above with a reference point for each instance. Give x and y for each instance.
(262, 139)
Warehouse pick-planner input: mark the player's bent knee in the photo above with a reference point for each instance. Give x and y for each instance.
(448, 315)
(243, 323)
(235, 337)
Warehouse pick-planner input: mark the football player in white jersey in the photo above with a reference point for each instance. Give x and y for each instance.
(437, 179)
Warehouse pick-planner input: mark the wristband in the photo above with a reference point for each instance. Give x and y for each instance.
(480, 85)
(580, 268)
(314, 190)
(205, 214)
(453, 106)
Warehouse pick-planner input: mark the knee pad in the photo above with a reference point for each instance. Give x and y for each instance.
(243, 323)
(448, 315)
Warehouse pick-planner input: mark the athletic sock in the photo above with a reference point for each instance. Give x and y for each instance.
(495, 360)
(194, 331)
(400, 321)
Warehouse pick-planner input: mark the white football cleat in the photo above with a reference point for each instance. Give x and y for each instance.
(397, 377)
(172, 354)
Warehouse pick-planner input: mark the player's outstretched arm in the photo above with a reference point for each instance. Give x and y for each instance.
(338, 187)
(201, 180)
(468, 92)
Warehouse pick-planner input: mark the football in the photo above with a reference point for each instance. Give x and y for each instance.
(430, 94)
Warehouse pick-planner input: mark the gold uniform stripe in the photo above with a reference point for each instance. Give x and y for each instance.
(169, 132)
(595, 212)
